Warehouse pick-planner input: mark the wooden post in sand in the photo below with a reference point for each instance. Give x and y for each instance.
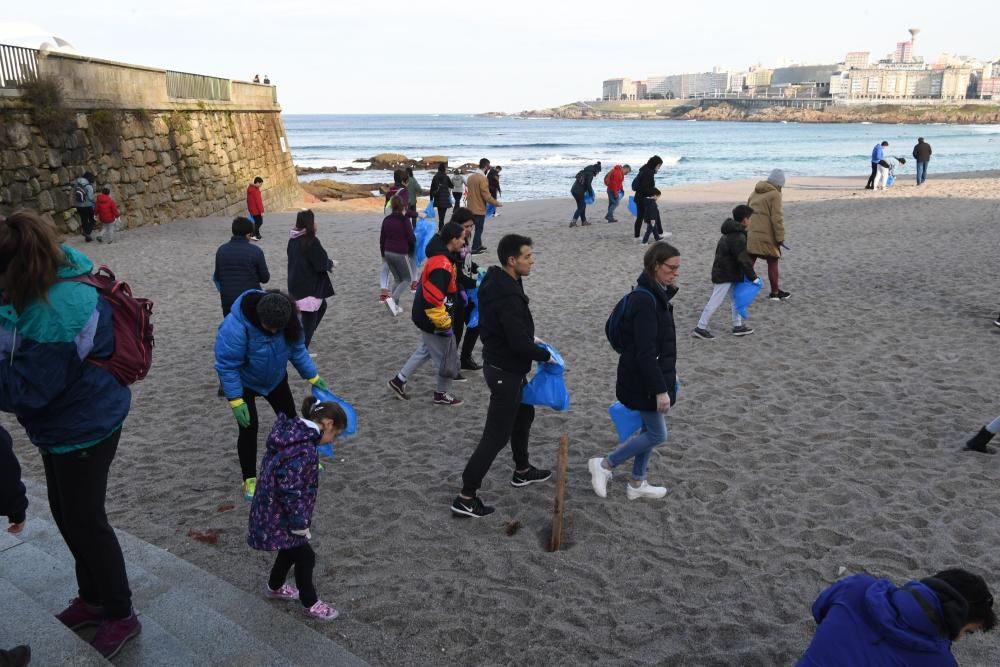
(555, 541)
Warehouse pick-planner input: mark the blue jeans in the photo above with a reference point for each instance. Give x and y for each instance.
(614, 198)
(477, 237)
(640, 447)
(581, 209)
(921, 172)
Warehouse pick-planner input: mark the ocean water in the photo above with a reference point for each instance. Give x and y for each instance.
(540, 157)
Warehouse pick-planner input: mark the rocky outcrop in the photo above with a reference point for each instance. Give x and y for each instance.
(393, 161)
(325, 188)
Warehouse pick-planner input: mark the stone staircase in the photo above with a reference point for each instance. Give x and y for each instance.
(189, 617)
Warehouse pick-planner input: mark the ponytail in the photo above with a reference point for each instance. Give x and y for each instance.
(314, 410)
(29, 257)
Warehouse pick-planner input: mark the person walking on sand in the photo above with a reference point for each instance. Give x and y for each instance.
(615, 182)
(647, 373)
(255, 206)
(644, 186)
(414, 190)
(509, 346)
(396, 245)
(239, 265)
(479, 196)
(493, 179)
(878, 157)
(72, 410)
(441, 187)
(862, 620)
(583, 187)
(732, 264)
(433, 309)
(13, 498)
(309, 270)
(886, 169)
(766, 231)
(457, 188)
(85, 201)
(255, 342)
(107, 214)
(282, 509)
(467, 276)
(922, 154)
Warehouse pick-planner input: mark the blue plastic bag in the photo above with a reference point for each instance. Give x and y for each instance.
(632, 208)
(490, 210)
(473, 295)
(744, 293)
(423, 232)
(548, 387)
(429, 211)
(626, 420)
(352, 417)
(889, 181)
(588, 198)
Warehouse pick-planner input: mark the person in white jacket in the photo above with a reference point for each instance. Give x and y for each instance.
(457, 189)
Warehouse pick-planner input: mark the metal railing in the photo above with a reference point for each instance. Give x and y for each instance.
(181, 85)
(17, 64)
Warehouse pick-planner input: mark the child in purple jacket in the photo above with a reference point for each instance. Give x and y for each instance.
(283, 504)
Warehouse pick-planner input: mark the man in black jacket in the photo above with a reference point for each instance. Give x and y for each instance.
(239, 265)
(922, 154)
(732, 264)
(509, 347)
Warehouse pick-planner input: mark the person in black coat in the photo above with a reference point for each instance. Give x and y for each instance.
(583, 186)
(732, 264)
(644, 186)
(509, 347)
(441, 187)
(308, 272)
(647, 375)
(239, 265)
(13, 500)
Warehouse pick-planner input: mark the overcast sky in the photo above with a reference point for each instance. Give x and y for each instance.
(351, 56)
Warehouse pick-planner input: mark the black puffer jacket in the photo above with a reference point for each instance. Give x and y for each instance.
(647, 367)
(644, 183)
(505, 324)
(732, 262)
(441, 187)
(583, 183)
(308, 269)
(239, 266)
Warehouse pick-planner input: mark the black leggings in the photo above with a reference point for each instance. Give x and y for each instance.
(87, 221)
(258, 221)
(303, 559)
(311, 320)
(442, 211)
(459, 320)
(281, 401)
(870, 185)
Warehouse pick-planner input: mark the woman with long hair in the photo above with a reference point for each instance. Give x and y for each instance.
(441, 186)
(646, 193)
(71, 409)
(308, 272)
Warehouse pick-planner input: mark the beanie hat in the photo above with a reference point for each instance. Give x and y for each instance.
(777, 178)
(274, 310)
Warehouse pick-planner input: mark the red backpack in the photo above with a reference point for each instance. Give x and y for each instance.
(133, 328)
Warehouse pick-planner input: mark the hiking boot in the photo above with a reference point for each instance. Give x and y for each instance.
(742, 330)
(473, 507)
(470, 365)
(444, 398)
(249, 487)
(112, 635)
(644, 490)
(977, 443)
(284, 592)
(321, 611)
(79, 614)
(599, 476)
(399, 388)
(704, 334)
(530, 476)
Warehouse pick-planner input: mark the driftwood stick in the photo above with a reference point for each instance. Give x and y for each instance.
(555, 541)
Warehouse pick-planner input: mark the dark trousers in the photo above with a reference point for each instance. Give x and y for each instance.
(303, 559)
(258, 220)
(87, 221)
(458, 202)
(311, 320)
(471, 335)
(871, 179)
(506, 419)
(281, 401)
(477, 237)
(773, 275)
(78, 484)
(581, 209)
(442, 211)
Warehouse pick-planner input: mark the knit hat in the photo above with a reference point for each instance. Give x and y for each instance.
(274, 310)
(777, 178)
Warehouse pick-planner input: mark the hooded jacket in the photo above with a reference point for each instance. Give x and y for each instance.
(583, 184)
(239, 266)
(441, 187)
(13, 499)
(88, 187)
(308, 267)
(877, 153)
(644, 183)
(255, 202)
(767, 224)
(105, 209)
(286, 486)
(615, 180)
(732, 263)
(63, 402)
(648, 364)
(922, 152)
(867, 621)
(248, 357)
(505, 324)
(434, 302)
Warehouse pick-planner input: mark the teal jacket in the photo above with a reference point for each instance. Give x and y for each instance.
(63, 402)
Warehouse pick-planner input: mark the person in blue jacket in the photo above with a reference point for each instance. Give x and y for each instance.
(878, 158)
(239, 265)
(867, 621)
(71, 410)
(258, 338)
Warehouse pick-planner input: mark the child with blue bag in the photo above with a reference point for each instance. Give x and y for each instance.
(281, 514)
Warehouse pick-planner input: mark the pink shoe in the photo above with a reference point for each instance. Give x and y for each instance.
(321, 611)
(284, 592)
(79, 614)
(113, 635)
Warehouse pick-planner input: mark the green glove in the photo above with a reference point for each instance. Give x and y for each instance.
(241, 411)
(319, 383)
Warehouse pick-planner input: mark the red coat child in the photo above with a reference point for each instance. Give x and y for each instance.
(106, 209)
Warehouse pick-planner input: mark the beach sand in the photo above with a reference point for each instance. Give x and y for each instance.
(826, 443)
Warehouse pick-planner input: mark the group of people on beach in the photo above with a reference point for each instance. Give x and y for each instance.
(885, 167)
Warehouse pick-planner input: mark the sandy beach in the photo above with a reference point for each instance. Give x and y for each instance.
(826, 443)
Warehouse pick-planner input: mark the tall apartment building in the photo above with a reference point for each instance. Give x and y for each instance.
(904, 52)
(898, 83)
(622, 89)
(857, 59)
(759, 77)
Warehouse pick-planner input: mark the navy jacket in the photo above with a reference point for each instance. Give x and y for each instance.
(13, 501)
(505, 324)
(647, 367)
(239, 266)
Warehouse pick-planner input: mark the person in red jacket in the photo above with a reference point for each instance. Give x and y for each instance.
(255, 206)
(615, 180)
(107, 214)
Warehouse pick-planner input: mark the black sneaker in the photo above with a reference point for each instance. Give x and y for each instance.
(470, 365)
(704, 334)
(742, 330)
(460, 378)
(479, 251)
(778, 296)
(530, 477)
(399, 388)
(470, 507)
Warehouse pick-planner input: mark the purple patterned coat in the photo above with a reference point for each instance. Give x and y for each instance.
(286, 486)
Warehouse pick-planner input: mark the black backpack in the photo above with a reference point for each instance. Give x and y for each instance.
(613, 327)
(79, 194)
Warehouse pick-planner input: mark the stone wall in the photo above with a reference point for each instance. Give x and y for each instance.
(162, 159)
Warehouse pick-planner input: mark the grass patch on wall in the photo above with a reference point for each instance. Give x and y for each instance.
(106, 125)
(44, 97)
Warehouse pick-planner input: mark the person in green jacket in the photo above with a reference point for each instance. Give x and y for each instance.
(414, 189)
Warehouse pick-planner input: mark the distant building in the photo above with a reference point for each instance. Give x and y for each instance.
(857, 59)
(758, 76)
(809, 74)
(904, 52)
(621, 89)
(878, 83)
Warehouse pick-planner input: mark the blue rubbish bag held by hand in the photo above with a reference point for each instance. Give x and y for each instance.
(548, 387)
(626, 420)
(423, 232)
(588, 198)
(429, 211)
(491, 210)
(744, 293)
(352, 417)
(632, 208)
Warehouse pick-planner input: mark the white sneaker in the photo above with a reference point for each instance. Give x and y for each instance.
(644, 490)
(599, 476)
(391, 305)
(400, 310)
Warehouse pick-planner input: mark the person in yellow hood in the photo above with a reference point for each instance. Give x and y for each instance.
(766, 231)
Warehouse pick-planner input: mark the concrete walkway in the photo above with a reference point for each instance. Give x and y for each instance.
(189, 617)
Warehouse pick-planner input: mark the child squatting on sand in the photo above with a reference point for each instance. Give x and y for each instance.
(285, 497)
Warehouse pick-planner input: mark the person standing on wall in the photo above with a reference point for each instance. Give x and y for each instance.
(479, 196)
(85, 200)
(922, 154)
(878, 157)
(308, 272)
(255, 206)
(615, 182)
